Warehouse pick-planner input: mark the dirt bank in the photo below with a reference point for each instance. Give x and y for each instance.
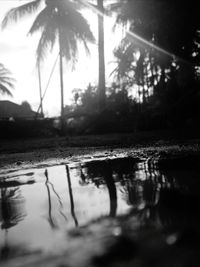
(20, 154)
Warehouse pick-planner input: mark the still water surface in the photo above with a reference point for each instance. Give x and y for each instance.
(39, 206)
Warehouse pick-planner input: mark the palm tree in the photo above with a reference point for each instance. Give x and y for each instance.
(59, 20)
(98, 7)
(6, 81)
(102, 86)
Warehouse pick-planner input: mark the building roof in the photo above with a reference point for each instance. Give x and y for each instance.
(9, 109)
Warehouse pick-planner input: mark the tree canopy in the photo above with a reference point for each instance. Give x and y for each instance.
(57, 19)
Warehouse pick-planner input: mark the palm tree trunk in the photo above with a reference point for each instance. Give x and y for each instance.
(61, 84)
(101, 86)
(143, 77)
(152, 71)
(40, 88)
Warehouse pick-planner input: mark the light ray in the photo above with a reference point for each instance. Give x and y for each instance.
(133, 36)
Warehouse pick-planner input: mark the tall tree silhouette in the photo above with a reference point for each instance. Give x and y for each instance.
(101, 85)
(59, 20)
(171, 24)
(162, 31)
(98, 7)
(6, 81)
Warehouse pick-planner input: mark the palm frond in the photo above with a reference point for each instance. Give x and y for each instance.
(61, 18)
(123, 9)
(47, 41)
(4, 70)
(42, 20)
(87, 50)
(14, 14)
(6, 81)
(71, 18)
(69, 45)
(4, 90)
(74, 28)
(58, 17)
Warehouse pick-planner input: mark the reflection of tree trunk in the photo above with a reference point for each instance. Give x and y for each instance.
(5, 249)
(101, 54)
(112, 192)
(71, 196)
(49, 200)
(4, 206)
(59, 200)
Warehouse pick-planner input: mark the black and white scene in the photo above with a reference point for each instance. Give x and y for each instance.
(99, 133)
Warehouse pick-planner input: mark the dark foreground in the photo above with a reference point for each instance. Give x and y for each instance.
(129, 203)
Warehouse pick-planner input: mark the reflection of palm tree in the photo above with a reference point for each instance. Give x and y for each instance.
(71, 196)
(12, 211)
(60, 19)
(6, 82)
(49, 200)
(7, 251)
(112, 191)
(83, 180)
(130, 192)
(104, 169)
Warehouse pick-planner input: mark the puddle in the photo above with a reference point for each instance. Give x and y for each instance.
(38, 207)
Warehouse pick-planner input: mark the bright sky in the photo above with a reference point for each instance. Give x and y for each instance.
(17, 53)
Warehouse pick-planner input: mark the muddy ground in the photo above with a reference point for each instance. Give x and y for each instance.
(25, 153)
(108, 242)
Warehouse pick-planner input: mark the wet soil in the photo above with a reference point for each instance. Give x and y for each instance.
(26, 153)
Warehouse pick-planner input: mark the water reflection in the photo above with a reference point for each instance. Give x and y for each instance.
(12, 207)
(109, 173)
(71, 196)
(161, 197)
(49, 186)
(12, 211)
(50, 219)
(65, 197)
(100, 172)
